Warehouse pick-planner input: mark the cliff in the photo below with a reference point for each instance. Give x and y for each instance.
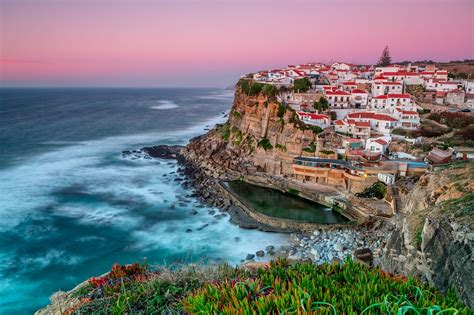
(260, 135)
(434, 234)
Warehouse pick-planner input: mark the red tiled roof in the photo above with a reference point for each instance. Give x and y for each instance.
(381, 97)
(337, 92)
(358, 91)
(404, 95)
(367, 115)
(349, 83)
(384, 117)
(409, 112)
(340, 122)
(313, 116)
(381, 141)
(362, 124)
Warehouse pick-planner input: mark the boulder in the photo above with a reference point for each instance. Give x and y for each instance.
(249, 257)
(364, 255)
(260, 253)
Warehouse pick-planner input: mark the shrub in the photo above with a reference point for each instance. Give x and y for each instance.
(327, 152)
(377, 190)
(280, 147)
(224, 131)
(265, 144)
(293, 191)
(281, 110)
(236, 114)
(255, 88)
(304, 288)
(269, 90)
(302, 85)
(311, 148)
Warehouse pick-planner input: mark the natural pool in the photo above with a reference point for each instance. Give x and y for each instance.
(277, 204)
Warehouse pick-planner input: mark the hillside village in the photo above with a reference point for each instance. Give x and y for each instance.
(388, 121)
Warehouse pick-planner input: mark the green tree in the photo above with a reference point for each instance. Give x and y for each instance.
(301, 85)
(321, 105)
(385, 59)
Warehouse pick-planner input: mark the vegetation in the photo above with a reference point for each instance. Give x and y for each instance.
(377, 190)
(301, 85)
(265, 144)
(311, 148)
(327, 152)
(224, 131)
(453, 120)
(280, 147)
(303, 288)
(236, 114)
(321, 105)
(281, 110)
(385, 59)
(269, 90)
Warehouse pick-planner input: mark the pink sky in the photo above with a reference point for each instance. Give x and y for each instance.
(212, 42)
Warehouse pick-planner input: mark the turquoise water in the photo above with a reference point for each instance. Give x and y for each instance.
(276, 204)
(71, 206)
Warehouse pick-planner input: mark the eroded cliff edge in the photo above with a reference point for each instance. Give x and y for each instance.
(431, 236)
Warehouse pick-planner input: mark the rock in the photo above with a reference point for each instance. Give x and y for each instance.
(188, 230)
(249, 256)
(260, 253)
(269, 248)
(202, 227)
(338, 247)
(364, 255)
(271, 253)
(194, 212)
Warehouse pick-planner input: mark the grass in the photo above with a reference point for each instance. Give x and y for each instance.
(265, 144)
(302, 288)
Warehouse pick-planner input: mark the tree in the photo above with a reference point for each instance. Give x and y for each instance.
(385, 59)
(301, 85)
(321, 105)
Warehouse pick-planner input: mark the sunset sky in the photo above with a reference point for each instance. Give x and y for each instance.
(211, 42)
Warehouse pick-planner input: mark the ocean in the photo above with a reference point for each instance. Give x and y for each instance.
(71, 205)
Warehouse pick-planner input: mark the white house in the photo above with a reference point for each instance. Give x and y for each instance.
(386, 87)
(469, 86)
(348, 86)
(391, 100)
(358, 129)
(407, 119)
(378, 145)
(378, 122)
(359, 98)
(338, 99)
(319, 120)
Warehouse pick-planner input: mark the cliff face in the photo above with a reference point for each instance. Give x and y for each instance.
(434, 238)
(235, 145)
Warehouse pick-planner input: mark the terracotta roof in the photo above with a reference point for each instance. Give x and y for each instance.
(404, 95)
(340, 122)
(367, 115)
(381, 97)
(384, 117)
(409, 112)
(313, 116)
(358, 91)
(362, 124)
(337, 92)
(381, 141)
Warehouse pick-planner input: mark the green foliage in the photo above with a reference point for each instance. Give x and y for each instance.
(321, 105)
(280, 147)
(255, 88)
(281, 110)
(453, 120)
(377, 190)
(265, 144)
(269, 90)
(301, 85)
(224, 131)
(236, 114)
(327, 152)
(333, 115)
(304, 288)
(237, 135)
(311, 148)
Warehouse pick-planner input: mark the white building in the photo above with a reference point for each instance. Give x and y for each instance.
(359, 98)
(378, 145)
(386, 87)
(319, 120)
(389, 101)
(338, 99)
(407, 119)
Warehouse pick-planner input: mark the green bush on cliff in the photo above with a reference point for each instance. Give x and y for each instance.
(236, 114)
(281, 110)
(280, 147)
(301, 85)
(377, 190)
(265, 144)
(224, 131)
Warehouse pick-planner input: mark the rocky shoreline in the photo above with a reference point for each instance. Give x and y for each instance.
(322, 245)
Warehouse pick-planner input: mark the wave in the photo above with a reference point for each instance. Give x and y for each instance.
(165, 105)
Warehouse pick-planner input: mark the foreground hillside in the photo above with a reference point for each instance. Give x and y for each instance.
(278, 287)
